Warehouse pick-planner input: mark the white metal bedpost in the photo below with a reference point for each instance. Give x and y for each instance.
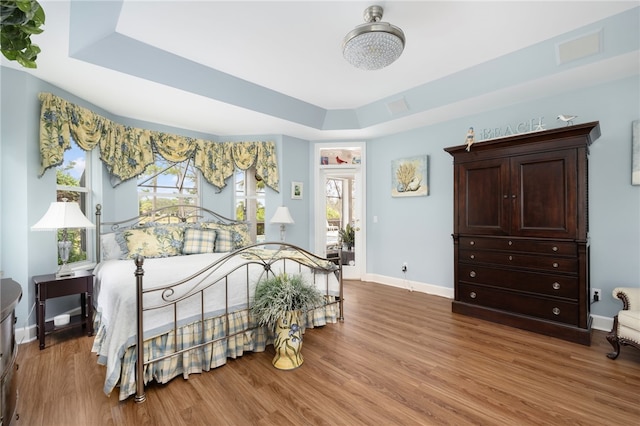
(140, 394)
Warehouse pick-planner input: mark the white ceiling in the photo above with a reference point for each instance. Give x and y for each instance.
(292, 49)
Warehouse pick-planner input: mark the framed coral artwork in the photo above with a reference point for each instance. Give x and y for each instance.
(410, 176)
(635, 161)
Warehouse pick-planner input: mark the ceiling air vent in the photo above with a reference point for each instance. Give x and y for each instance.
(398, 106)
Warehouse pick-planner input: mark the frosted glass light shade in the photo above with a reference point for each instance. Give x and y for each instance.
(373, 45)
(373, 49)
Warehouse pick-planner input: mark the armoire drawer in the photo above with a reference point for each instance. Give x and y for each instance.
(525, 304)
(545, 284)
(520, 260)
(561, 248)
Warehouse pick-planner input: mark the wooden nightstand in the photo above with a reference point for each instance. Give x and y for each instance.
(48, 287)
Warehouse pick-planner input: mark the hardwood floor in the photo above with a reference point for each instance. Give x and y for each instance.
(399, 358)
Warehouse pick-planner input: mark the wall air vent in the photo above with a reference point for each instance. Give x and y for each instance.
(579, 47)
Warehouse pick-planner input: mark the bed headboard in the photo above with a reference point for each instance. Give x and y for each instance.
(178, 214)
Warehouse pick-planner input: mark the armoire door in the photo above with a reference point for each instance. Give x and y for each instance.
(543, 195)
(483, 207)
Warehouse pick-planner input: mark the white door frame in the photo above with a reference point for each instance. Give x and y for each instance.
(321, 172)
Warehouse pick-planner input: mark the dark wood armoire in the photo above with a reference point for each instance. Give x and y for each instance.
(521, 248)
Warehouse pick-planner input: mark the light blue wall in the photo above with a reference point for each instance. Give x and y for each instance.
(418, 230)
(296, 169)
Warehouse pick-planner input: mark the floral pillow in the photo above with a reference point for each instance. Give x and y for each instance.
(198, 241)
(154, 241)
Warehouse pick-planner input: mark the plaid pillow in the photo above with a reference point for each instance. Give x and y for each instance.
(240, 232)
(198, 241)
(224, 241)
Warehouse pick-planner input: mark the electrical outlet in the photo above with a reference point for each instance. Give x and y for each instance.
(405, 265)
(596, 294)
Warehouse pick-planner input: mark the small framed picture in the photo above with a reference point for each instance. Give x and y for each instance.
(296, 190)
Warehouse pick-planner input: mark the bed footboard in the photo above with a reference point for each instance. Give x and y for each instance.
(220, 279)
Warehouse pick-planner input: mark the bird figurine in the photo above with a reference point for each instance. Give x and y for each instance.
(567, 118)
(470, 139)
(339, 160)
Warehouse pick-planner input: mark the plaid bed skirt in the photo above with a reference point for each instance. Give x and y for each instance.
(241, 336)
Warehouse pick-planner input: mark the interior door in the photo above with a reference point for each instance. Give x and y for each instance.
(341, 209)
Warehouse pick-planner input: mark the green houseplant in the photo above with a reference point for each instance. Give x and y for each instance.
(278, 303)
(20, 19)
(348, 236)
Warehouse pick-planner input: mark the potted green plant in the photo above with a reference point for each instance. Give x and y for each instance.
(278, 304)
(20, 19)
(348, 236)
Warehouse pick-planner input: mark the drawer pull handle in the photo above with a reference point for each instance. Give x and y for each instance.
(473, 294)
(554, 248)
(556, 311)
(473, 256)
(472, 274)
(556, 286)
(510, 257)
(555, 264)
(471, 243)
(510, 243)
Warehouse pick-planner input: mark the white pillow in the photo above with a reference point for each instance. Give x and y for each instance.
(110, 247)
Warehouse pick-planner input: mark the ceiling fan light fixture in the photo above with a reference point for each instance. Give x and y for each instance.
(373, 45)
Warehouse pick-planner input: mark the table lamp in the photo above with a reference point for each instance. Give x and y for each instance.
(63, 215)
(283, 217)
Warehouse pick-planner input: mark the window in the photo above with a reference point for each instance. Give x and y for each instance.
(250, 201)
(73, 184)
(167, 183)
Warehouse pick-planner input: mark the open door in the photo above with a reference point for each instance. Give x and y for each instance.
(340, 233)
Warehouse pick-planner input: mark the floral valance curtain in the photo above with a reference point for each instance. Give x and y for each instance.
(127, 151)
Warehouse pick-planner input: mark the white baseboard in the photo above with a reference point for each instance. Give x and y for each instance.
(410, 285)
(599, 322)
(26, 334)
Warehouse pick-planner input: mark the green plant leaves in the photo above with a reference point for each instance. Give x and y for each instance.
(282, 293)
(20, 19)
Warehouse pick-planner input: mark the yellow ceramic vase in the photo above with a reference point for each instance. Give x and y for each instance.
(288, 342)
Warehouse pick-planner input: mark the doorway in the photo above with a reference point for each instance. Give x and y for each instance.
(340, 228)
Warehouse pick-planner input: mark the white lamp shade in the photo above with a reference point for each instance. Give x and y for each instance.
(62, 215)
(282, 216)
